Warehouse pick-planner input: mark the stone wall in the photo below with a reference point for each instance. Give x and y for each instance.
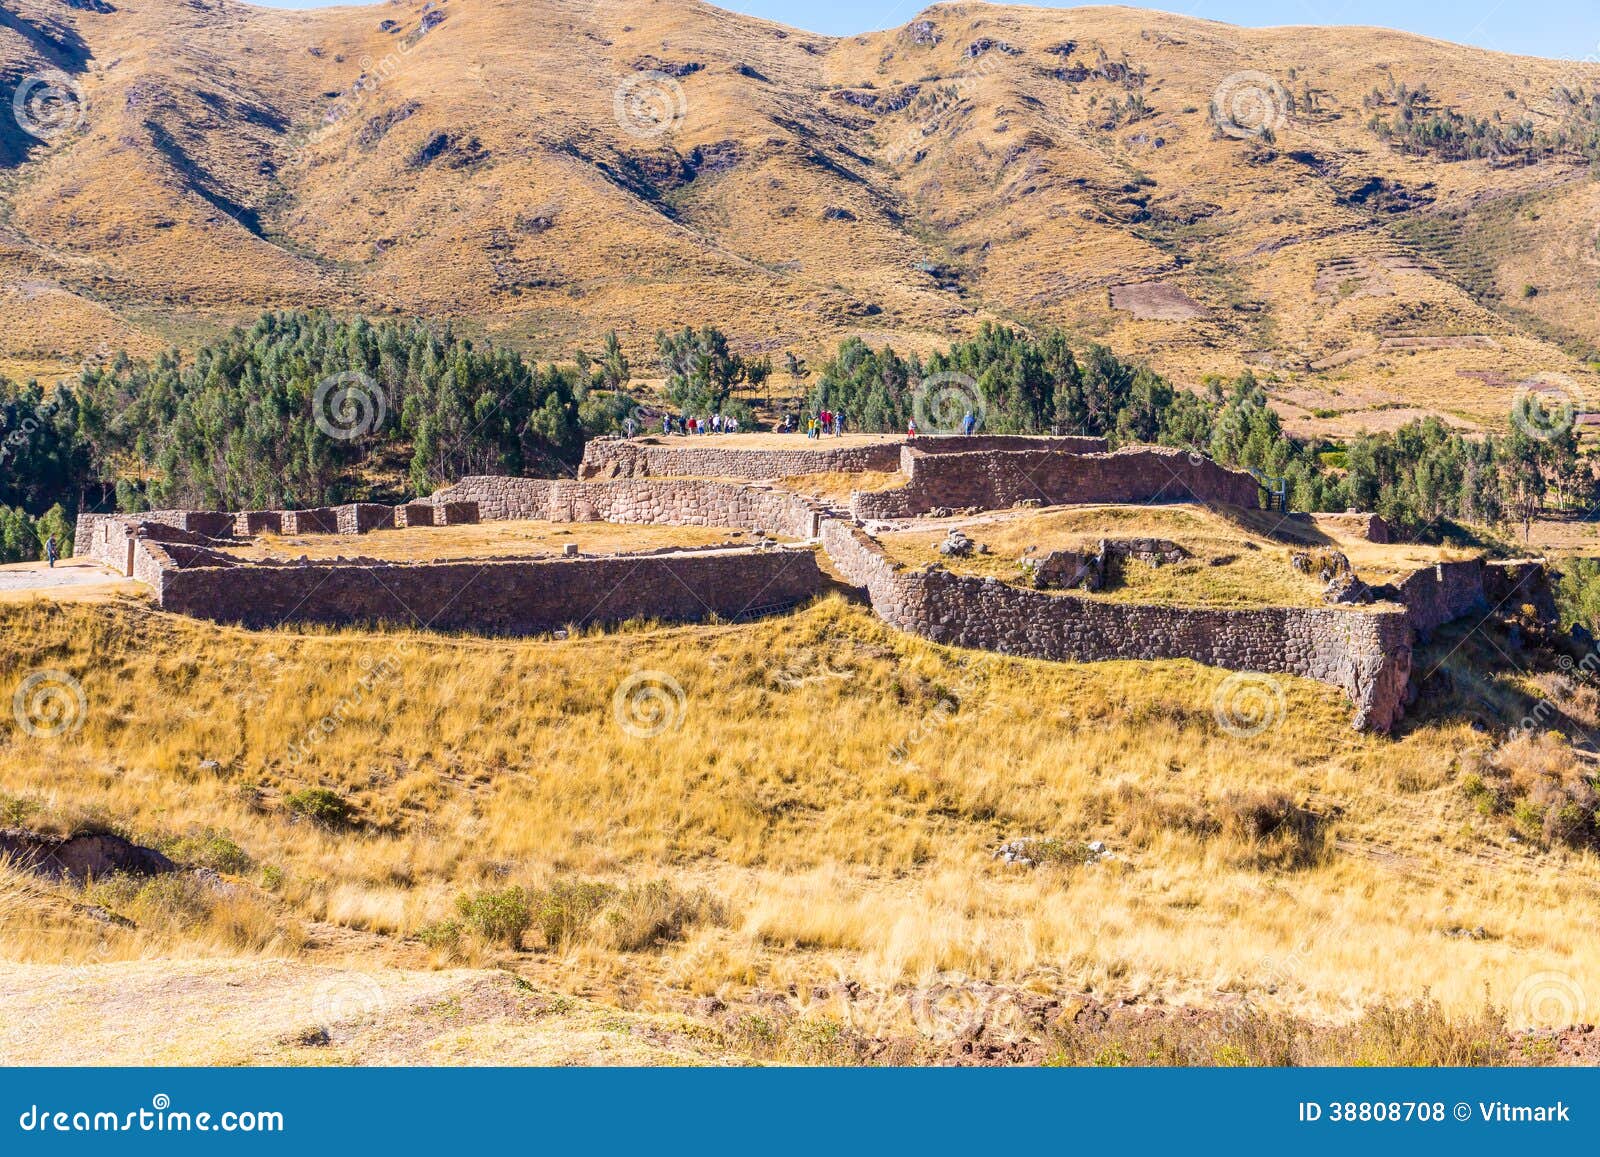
(416, 514)
(495, 596)
(457, 513)
(990, 443)
(994, 480)
(104, 538)
(364, 517)
(721, 456)
(317, 520)
(655, 501)
(1443, 593)
(252, 522)
(499, 498)
(130, 543)
(1352, 524)
(1366, 653)
(211, 523)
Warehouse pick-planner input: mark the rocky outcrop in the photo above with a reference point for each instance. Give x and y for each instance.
(87, 855)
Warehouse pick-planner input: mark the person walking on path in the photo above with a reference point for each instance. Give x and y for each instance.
(50, 551)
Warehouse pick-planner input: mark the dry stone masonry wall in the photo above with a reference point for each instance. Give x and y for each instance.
(994, 480)
(665, 501)
(1366, 650)
(497, 596)
(688, 458)
(1366, 653)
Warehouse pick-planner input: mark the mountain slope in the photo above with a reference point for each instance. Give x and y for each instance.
(544, 170)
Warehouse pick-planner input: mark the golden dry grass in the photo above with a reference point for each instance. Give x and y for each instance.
(839, 487)
(1239, 560)
(530, 538)
(839, 788)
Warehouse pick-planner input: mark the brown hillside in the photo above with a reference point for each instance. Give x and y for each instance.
(544, 170)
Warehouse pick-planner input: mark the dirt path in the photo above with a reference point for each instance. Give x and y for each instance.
(74, 579)
(199, 1012)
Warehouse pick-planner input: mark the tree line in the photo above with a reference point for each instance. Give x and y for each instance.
(1418, 126)
(305, 409)
(1420, 477)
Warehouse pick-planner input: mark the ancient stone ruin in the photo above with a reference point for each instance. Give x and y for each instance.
(1364, 645)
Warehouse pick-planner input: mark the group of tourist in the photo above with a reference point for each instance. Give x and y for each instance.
(825, 422)
(816, 426)
(684, 424)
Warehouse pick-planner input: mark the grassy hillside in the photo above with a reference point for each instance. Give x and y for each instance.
(1201, 196)
(805, 833)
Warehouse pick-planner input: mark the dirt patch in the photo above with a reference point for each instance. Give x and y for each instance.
(1156, 302)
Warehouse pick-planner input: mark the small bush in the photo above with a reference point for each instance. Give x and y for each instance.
(321, 806)
(1537, 782)
(442, 936)
(1278, 832)
(171, 899)
(566, 909)
(184, 906)
(499, 917)
(15, 810)
(207, 849)
(569, 912)
(1270, 829)
(648, 915)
